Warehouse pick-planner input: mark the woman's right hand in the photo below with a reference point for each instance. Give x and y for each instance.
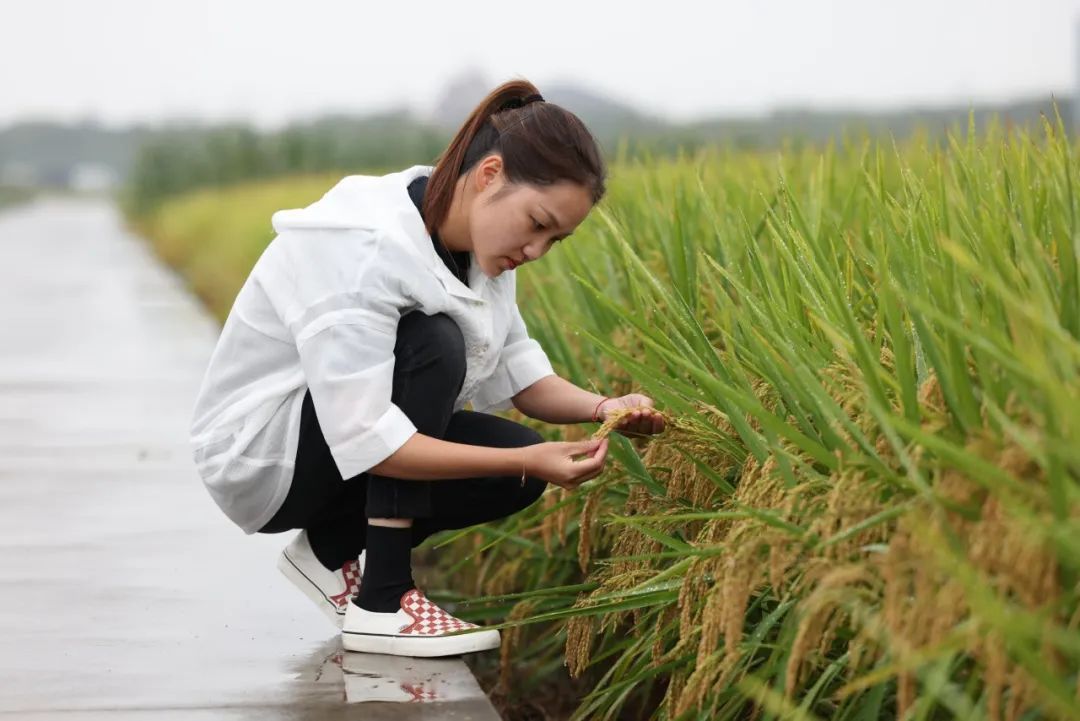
(553, 461)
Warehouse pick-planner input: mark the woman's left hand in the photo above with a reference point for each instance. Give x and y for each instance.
(643, 421)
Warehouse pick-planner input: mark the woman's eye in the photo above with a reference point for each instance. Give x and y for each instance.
(537, 225)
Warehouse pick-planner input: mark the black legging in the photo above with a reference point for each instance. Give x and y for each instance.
(429, 368)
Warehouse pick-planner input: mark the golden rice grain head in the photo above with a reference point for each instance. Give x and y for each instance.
(738, 582)
(895, 566)
(686, 480)
(625, 581)
(661, 632)
(905, 694)
(852, 498)
(697, 685)
(818, 615)
(996, 674)
(579, 639)
(782, 556)
(711, 626)
(1021, 691)
(811, 628)
(857, 652)
(927, 578)
(999, 549)
(886, 358)
(951, 607)
(547, 524)
(614, 624)
(563, 514)
(931, 396)
(511, 637)
(713, 531)
(585, 522)
(676, 684)
(692, 589)
(761, 486)
(505, 578)
(615, 417)
(724, 676)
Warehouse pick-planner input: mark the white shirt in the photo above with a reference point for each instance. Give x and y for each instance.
(320, 310)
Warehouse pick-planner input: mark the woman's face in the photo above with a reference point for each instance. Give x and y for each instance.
(520, 223)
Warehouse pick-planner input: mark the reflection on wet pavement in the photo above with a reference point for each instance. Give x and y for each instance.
(375, 677)
(124, 591)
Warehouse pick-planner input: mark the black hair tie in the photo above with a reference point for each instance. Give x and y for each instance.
(520, 102)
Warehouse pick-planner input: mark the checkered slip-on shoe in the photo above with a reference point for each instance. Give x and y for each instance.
(329, 590)
(417, 628)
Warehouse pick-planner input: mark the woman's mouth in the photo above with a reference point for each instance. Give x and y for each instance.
(510, 264)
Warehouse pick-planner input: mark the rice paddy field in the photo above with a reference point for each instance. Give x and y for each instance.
(866, 502)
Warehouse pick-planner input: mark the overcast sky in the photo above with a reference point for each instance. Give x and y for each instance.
(270, 61)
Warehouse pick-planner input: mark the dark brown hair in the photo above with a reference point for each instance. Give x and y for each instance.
(540, 143)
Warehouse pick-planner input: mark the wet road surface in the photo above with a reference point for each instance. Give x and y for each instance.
(124, 591)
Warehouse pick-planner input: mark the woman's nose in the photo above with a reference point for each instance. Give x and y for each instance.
(532, 251)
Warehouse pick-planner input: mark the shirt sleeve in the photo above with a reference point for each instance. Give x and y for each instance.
(522, 362)
(342, 307)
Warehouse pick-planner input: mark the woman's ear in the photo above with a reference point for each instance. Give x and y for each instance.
(488, 171)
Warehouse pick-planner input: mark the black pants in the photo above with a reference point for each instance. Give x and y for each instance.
(429, 368)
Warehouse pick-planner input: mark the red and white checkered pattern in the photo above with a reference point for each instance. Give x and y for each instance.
(428, 619)
(351, 571)
(419, 693)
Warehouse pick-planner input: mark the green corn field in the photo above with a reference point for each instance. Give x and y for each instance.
(866, 501)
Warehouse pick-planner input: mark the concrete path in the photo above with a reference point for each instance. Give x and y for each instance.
(124, 591)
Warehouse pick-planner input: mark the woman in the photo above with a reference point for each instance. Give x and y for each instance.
(334, 401)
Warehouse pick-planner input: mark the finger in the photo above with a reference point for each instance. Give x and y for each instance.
(586, 448)
(648, 420)
(588, 445)
(587, 477)
(597, 460)
(601, 455)
(601, 445)
(589, 452)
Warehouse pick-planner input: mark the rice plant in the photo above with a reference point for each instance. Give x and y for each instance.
(866, 501)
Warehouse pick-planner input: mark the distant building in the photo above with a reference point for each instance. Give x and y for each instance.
(91, 177)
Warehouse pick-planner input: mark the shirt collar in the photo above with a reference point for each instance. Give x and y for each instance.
(408, 218)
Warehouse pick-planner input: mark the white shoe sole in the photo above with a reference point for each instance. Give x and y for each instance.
(310, 589)
(420, 646)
